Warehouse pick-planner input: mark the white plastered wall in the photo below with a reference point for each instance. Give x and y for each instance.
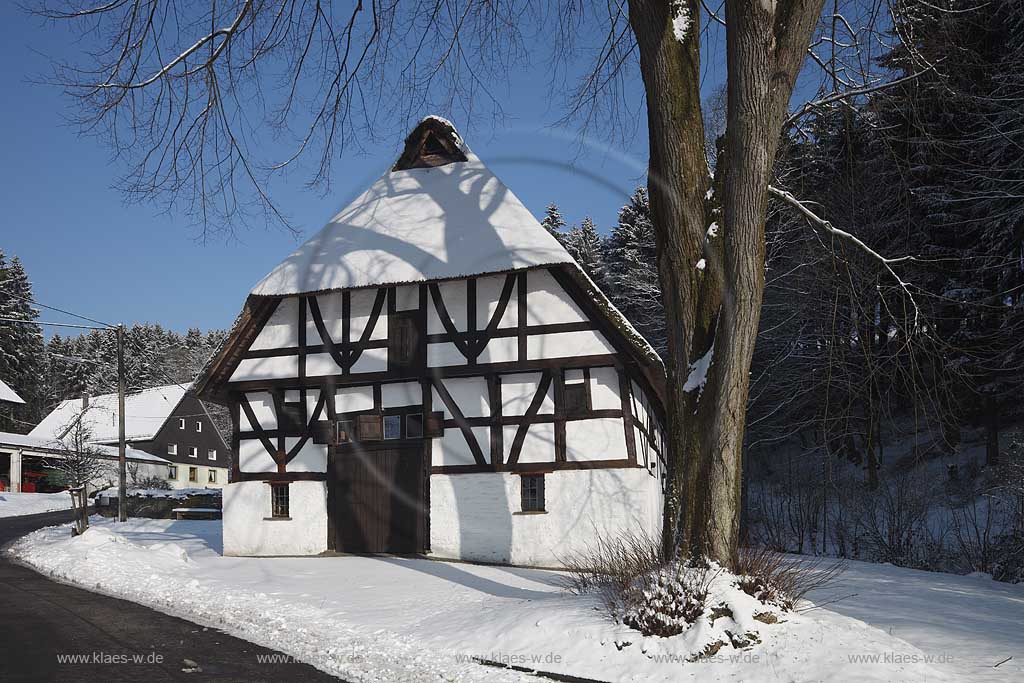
(474, 516)
(248, 531)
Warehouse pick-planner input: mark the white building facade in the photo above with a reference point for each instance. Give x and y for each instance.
(432, 373)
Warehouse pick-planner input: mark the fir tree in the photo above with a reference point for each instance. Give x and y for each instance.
(553, 222)
(630, 273)
(20, 344)
(585, 245)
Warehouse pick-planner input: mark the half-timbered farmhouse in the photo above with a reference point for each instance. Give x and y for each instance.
(432, 372)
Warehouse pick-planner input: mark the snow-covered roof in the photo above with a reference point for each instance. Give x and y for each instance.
(7, 394)
(416, 225)
(145, 413)
(30, 442)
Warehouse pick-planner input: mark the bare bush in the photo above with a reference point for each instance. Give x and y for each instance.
(609, 565)
(894, 519)
(777, 580)
(787, 518)
(639, 586)
(979, 529)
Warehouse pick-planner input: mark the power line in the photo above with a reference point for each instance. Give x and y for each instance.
(59, 310)
(45, 322)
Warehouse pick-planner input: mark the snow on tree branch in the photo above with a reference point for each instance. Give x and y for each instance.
(820, 222)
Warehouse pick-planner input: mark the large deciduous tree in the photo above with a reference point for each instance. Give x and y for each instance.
(713, 311)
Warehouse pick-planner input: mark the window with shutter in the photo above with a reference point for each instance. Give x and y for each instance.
(368, 427)
(405, 348)
(433, 426)
(575, 398)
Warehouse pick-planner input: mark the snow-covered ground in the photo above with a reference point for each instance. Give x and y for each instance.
(17, 504)
(390, 619)
(971, 623)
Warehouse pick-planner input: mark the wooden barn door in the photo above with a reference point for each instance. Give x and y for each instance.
(377, 501)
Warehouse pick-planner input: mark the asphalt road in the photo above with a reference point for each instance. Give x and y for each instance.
(43, 622)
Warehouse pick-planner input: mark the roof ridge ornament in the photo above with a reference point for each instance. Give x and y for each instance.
(433, 142)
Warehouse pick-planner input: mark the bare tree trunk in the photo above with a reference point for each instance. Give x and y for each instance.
(715, 310)
(678, 181)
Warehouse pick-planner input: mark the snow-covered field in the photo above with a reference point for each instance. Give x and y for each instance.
(389, 619)
(17, 504)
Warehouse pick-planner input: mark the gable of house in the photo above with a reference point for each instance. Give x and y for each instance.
(434, 331)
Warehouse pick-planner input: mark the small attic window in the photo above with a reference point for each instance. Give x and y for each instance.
(432, 143)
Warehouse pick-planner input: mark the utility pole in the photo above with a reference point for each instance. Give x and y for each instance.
(122, 492)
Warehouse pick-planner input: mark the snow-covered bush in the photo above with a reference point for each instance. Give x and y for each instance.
(153, 482)
(693, 598)
(667, 600)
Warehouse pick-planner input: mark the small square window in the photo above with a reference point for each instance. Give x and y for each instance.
(392, 426)
(193, 474)
(172, 472)
(414, 426)
(532, 492)
(213, 477)
(199, 426)
(193, 452)
(181, 423)
(172, 449)
(212, 454)
(343, 431)
(279, 501)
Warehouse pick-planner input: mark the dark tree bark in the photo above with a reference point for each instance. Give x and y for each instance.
(991, 433)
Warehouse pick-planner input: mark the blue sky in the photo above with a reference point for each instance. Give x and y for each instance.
(86, 250)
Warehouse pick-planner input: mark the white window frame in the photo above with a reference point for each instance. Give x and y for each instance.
(193, 451)
(172, 449)
(199, 425)
(212, 454)
(181, 423)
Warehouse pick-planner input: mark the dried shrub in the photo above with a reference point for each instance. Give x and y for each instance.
(774, 579)
(610, 565)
